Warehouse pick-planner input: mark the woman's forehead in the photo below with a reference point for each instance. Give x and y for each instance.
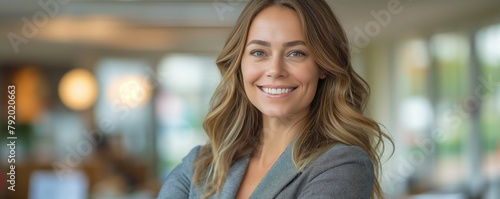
(276, 24)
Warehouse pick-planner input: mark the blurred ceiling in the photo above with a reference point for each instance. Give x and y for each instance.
(146, 27)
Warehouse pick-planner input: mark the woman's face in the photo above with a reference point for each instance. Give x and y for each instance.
(279, 74)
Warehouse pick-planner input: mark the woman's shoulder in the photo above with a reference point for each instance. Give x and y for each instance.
(340, 170)
(178, 182)
(189, 158)
(345, 156)
(348, 152)
(185, 166)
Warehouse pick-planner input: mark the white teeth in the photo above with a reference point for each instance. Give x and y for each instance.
(277, 91)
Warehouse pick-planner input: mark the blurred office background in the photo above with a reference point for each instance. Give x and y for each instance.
(111, 94)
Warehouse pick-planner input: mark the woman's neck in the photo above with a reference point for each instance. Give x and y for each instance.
(277, 134)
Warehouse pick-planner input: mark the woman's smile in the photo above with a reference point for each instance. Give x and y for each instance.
(277, 91)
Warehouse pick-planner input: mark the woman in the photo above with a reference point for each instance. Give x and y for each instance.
(286, 119)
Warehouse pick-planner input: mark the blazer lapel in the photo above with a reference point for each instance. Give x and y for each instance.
(234, 178)
(281, 173)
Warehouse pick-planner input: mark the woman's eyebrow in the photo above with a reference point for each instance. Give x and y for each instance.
(293, 43)
(259, 42)
(285, 45)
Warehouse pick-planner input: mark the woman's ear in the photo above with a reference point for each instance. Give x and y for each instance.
(322, 75)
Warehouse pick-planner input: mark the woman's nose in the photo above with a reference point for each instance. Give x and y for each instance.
(276, 68)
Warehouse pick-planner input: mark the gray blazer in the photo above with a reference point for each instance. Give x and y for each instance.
(341, 172)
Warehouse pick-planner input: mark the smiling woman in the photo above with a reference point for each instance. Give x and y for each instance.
(286, 120)
(279, 75)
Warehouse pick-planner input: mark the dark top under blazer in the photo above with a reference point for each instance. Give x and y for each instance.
(341, 172)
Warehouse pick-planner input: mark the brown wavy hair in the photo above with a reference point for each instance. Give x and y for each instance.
(233, 124)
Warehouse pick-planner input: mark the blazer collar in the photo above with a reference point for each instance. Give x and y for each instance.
(234, 178)
(281, 173)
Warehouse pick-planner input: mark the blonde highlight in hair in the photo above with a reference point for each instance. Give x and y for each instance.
(233, 124)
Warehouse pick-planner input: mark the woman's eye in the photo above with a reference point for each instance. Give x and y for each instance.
(296, 54)
(257, 53)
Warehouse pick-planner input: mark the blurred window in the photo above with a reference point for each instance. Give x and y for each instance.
(186, 84)
(451, 56)
(488, 91)
(124, 107)
(415, 112)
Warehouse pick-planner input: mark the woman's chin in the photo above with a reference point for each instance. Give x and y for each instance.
(276, 113)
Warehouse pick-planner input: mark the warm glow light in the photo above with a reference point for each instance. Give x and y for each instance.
(31, 93)
(132, 91)
(78, 89)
